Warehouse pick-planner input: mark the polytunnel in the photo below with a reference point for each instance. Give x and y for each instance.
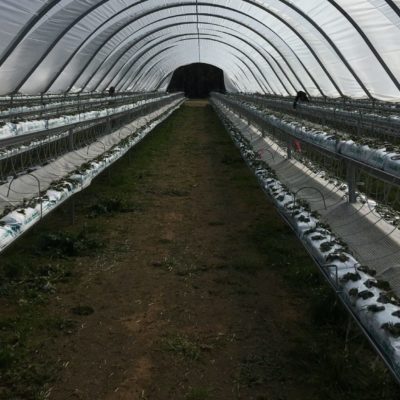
(328, 48)
(303, 94)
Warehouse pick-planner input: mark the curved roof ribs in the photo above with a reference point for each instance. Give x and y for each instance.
(128, 83)
(368, 43)
(216, 16)
(51, 4)
(205, 23)
(137, 58)
(87, 12)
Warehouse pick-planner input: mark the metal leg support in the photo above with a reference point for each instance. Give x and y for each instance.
(351, 182)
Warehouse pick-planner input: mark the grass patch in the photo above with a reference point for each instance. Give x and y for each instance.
(216, 223)
(110, 206)
(63, 244)
(82, 310)
(232, 160)
(23, 375)
(253, 370)
(198, 393)
(175, 193)
(182, 346)
(167, 264)
(247, 264)
(32, 280)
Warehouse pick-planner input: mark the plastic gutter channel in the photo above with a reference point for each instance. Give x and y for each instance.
(371, 339)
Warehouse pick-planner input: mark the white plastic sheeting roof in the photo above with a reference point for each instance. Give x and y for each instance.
(324, 47)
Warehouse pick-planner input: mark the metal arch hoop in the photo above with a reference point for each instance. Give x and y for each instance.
(368, 43)
(39, 190)
(25, 30)
(329, 41)
(393, 6)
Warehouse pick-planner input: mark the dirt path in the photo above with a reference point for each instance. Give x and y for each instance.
(197, 292)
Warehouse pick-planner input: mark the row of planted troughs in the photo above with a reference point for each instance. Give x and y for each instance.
(381, 161)
(47, 110)
(36, 125)
(357, 120)
(20, 100)
(346, 103)
(369, 300)
(22, 217)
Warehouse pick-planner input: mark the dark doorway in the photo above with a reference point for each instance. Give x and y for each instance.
(197, 80)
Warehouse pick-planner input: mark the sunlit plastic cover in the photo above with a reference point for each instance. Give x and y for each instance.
(324, 47)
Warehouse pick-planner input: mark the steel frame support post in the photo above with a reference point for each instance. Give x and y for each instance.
(351, 182)
(289, 147)
(72, 210)
(71, 140)
(347, 336)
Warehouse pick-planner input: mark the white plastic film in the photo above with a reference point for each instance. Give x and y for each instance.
(324, 47)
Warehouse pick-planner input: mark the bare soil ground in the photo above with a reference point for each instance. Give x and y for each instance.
(181, 282)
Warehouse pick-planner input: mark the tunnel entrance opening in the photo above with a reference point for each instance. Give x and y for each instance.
(197, 80)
